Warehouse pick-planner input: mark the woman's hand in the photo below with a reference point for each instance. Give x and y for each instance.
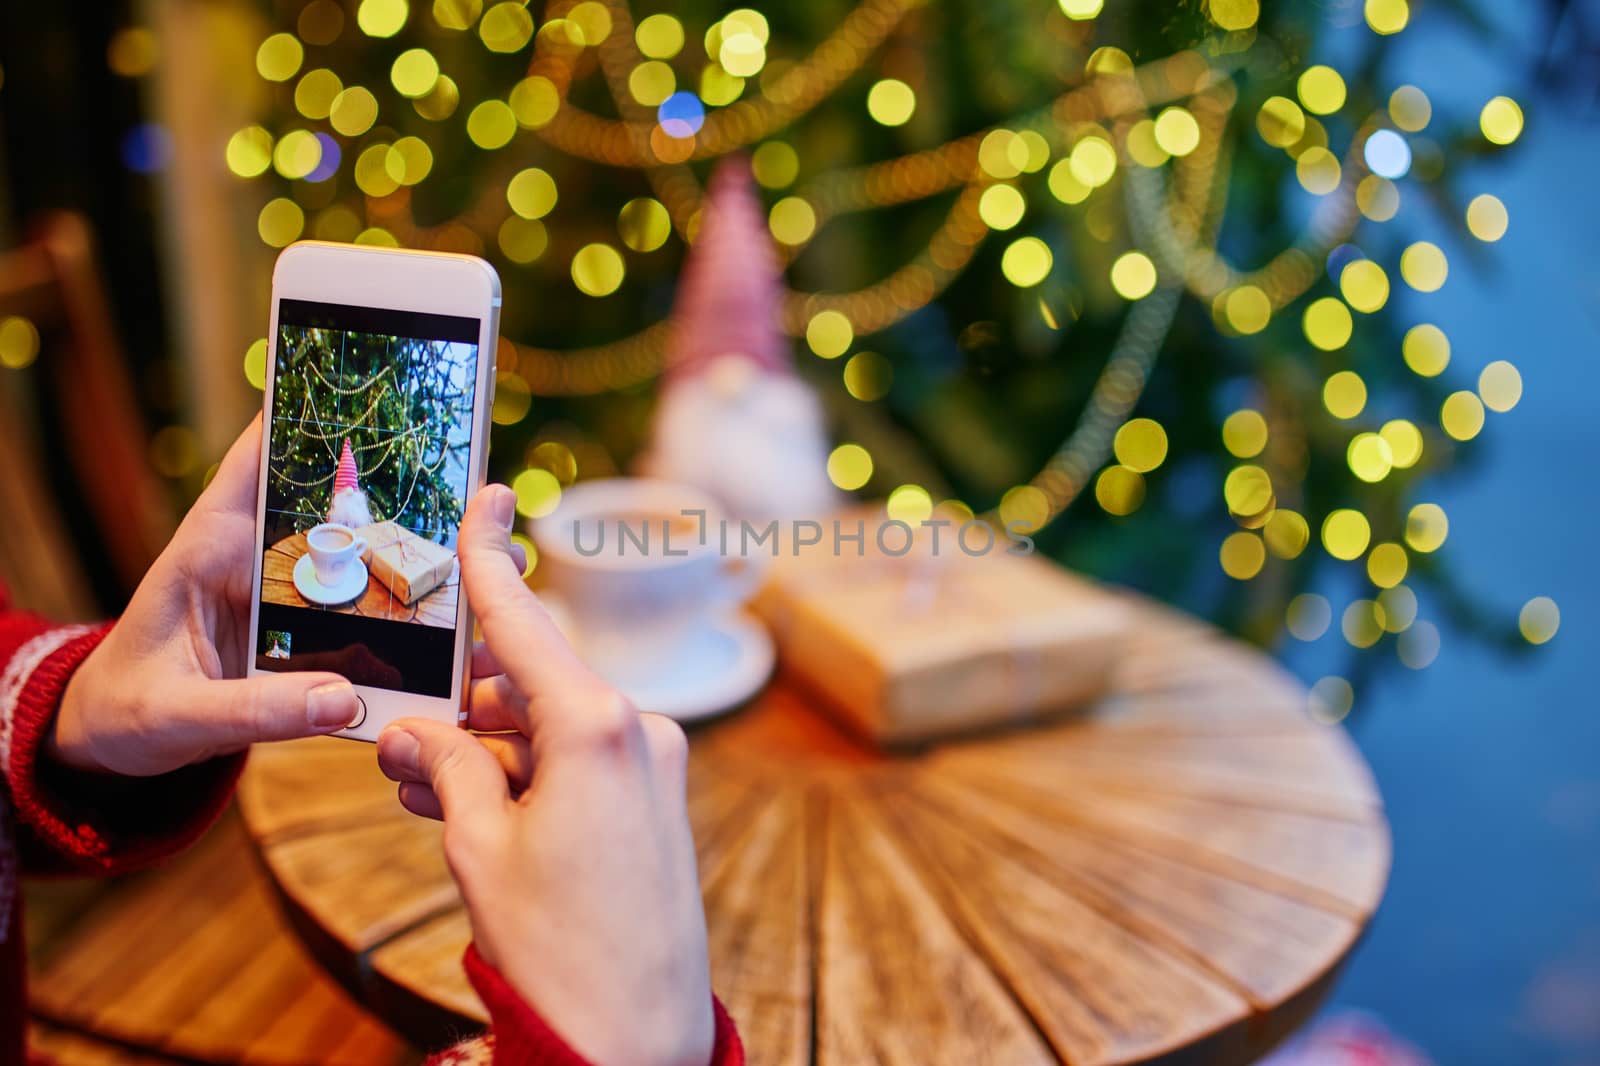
(567, 832)
(152, 697)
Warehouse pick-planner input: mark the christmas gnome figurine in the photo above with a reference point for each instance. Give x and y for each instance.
(733, 418)
(349, 506)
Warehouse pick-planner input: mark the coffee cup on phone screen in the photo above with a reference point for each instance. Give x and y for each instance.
(333, 547)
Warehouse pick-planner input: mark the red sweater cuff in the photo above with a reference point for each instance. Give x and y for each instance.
(522, 1038)
(88, 822)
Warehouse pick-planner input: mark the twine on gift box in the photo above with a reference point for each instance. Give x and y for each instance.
(922, 587)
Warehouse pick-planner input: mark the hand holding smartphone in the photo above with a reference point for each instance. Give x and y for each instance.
(379, 382)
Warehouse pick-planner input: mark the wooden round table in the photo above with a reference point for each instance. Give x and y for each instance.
(1175, 874)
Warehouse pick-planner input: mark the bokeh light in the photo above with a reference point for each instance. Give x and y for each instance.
(1327, 323)
(1133, 275)
(1287, 533)
(1177, 132)
(538, 492)
(891, 102)
(1418, 646)
(506, 27)
(1427, 526)
(849, 467)
(1321, 90)
(1141, 444)
(829, 334)
(279, 57)
(1501, 120)
(1424, 267)
(1500, 386)
(868, 376)
(1001, 206)
(1026, 262)
(1461, 415)
(1331, 698)
(597, 269)
(909, 503)
(1344, 394)
(1364, 285)
(1387, 154)
(1487, 218)
(659, 36)
(792, 220)
(531, 193)
(1242, 555)
(1309, 616)
(1244, 433)
(1387, 16)
(1387, 565)
(1346, 533)
(19, 342)
(643, 224)
(1426, 350)
(1118, 490)
(382, 18)
(491, 124)
(775, 165)
(1539, 620)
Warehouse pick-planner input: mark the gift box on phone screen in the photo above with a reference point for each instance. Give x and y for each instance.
(408, 566)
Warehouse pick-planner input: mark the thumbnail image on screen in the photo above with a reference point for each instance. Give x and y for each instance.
(367, 477)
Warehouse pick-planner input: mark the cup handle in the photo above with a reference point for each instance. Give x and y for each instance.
(361, 547)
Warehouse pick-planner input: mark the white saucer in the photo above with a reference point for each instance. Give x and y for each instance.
(353, 585)
(720, 667)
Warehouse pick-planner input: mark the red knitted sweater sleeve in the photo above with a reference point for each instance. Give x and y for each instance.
(69, 820)
(518, 1036)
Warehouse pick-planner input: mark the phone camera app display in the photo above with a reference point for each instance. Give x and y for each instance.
(367, 477)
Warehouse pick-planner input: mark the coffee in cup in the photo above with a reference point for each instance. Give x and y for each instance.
(333, 547)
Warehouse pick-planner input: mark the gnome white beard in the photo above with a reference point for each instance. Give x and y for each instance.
(350, 508)
(753, 439)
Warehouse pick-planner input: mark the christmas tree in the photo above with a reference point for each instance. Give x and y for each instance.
(402, 405)
(1122, 274)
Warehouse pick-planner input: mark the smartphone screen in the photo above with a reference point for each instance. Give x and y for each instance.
(367, 477)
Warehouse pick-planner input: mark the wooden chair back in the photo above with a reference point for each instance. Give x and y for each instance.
(75, 479)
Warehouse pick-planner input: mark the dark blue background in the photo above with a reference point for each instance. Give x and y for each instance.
(1487, 949)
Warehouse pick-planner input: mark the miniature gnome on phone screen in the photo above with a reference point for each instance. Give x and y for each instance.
(733, 417)
(349, 506)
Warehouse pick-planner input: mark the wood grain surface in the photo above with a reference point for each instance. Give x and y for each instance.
(195, 961)
(1173, 876)
(437, 608)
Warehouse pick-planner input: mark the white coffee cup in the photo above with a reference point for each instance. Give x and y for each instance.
(333, 547)
(641, 565)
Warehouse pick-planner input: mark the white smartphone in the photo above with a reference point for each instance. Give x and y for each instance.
(380, 376)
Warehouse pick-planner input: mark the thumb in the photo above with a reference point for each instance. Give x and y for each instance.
(231, 715)
(468, 780)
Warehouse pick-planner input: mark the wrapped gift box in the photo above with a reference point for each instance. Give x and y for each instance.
(408, 566)
(925, 645)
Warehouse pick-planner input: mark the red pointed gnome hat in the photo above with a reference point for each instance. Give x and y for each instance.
(345, 476)
(730, 293)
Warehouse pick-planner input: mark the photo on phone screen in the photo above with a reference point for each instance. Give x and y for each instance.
(368, 467)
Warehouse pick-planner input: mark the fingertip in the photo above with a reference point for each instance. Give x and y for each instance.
(420, 800)
(332, 705)
(399, 753)
(493, 508)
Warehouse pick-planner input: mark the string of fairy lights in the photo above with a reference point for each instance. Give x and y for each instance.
(1157, 137)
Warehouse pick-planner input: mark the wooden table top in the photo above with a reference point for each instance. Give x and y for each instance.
(1176, 873)
(437, 608)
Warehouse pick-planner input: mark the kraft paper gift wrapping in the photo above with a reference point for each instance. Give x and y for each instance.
(408, 565)
(914, 648)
